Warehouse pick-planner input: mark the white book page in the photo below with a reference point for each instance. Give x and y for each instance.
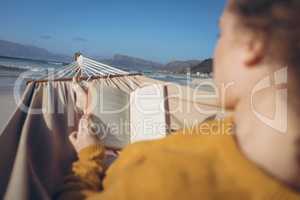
(147, 114)
(111, 106)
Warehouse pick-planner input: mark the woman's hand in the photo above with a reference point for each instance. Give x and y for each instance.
(85, 137)
(89, 125)
(82, 93)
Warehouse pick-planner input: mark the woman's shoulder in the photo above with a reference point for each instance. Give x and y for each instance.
(207, 154)
(181, 152)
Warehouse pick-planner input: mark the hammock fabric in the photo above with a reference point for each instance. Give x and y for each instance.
(35, 151)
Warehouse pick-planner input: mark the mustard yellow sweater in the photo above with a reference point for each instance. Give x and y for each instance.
(200, 163)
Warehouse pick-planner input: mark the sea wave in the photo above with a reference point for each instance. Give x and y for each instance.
(14, 68)
(56, 63)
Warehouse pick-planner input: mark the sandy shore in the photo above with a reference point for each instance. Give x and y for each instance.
(7, 105)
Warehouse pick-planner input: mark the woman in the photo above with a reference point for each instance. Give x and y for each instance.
(257, 159)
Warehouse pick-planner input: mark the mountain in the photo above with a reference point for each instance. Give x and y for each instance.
(205, 66)
(193, 66)
(181, 66)
(138, 64)
(12, 49)
(132, 63)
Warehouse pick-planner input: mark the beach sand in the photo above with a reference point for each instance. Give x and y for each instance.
(7, 105)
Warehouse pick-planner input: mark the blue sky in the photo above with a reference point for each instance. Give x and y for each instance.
(159, 30)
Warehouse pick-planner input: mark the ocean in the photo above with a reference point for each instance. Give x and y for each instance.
(12, 68)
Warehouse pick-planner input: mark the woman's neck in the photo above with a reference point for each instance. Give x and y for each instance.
(270, 137)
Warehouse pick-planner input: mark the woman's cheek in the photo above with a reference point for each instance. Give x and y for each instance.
(218, 63)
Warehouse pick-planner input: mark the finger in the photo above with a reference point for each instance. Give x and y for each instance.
(79, 89)
(75, 80)
(89, 104)
(81, 94)
(86, 109)
(85, 117)
(83, 125)
(73, 137)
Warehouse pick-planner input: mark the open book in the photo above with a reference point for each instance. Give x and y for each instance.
(124, 118)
